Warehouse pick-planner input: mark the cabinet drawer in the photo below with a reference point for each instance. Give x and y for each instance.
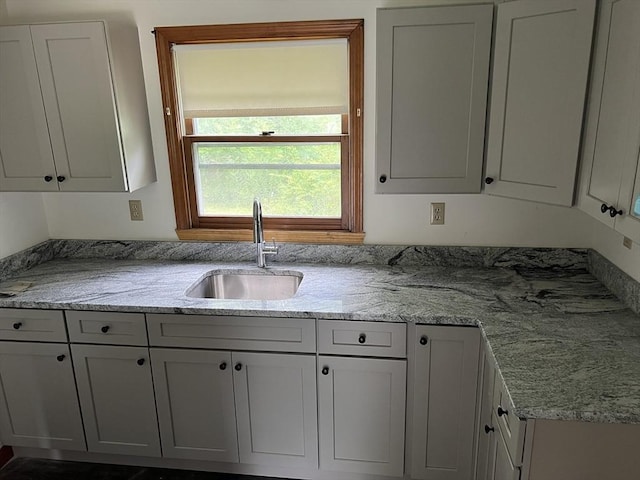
(511, 427)
(230, 332)
(375, 339)
(32, 325)
(107, 327)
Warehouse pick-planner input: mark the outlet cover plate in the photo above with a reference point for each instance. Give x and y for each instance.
(437, 214)
(135, 210)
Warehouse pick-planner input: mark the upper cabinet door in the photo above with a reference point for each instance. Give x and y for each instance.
(541, 65)
(75, 78)
(612, 139)
(25, 152)
(432, 76)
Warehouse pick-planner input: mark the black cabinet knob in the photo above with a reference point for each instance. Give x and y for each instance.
(613, 212)
(604, 208)
(502, 412)
(238, 367)
(488, 429)
(60, 358)
(17, 325)
(362, 338)
(48, 178)
(423, 340)
(325, 370)
(383, 178)
(104, 329)
(223, 366)
(61, 178)
(140, 361)
(488, 180)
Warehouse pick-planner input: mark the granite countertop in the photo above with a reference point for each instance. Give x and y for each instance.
(566, 347)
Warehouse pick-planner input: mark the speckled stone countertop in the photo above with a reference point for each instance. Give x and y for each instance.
(566, 347)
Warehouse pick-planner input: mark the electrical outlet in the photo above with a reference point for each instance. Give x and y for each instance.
(437, 213)
(627, 242)
(135, 209)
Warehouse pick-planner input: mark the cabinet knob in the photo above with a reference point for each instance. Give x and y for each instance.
(48, 178)
(604, 208)
(362, 338)
(613, 212)
(502, 412)
(238, 367)
(60, 358)
(61, 178)
(488, 180)
(383, 178)
(140, 361)
(488, 429)
(223, 366)
(17, 325)
(423, 340)
(325, 370)
(104, 329)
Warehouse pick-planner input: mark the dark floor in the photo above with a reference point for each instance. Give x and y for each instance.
(38, 469)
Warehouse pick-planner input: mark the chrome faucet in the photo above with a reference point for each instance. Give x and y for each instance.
(262, 249)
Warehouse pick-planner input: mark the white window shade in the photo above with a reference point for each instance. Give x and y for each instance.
(266, 78)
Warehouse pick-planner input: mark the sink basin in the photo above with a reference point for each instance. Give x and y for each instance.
(247, 285)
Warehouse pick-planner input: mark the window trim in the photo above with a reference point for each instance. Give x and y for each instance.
(351, 229)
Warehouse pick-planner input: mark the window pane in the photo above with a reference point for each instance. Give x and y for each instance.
(291, 180)
(286, 125)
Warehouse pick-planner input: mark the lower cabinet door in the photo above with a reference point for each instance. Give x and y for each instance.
(362, 415)
(196, 411)
(503, 468)
(276, 409)
(444, 402)
(117, 401)
(487, 430)
(38, 400)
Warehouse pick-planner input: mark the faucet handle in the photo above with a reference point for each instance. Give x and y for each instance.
(271, 249)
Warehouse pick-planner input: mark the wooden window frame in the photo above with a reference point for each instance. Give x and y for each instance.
(189, 225)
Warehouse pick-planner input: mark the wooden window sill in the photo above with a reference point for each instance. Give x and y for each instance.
(290, 236)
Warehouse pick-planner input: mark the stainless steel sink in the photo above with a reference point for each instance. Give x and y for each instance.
(247, 285)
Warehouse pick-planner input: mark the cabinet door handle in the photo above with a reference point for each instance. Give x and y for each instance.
(488, 180)
(383, 178)
(604, 208)
(613, 212)
(61, 178)
(60, 358)
(362, 338)
(105, 329)
(488, 429)
(140, 361)
(223, 366)
(238, 367)
(17, 325)
(423, 340)
(48, 178)
(325, 370)
(502, 412)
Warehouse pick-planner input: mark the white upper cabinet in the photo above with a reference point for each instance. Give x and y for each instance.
(541, 64)
(74, 115)
(610, 175)
(432, 77)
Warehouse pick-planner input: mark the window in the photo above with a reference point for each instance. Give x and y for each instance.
(269, 111)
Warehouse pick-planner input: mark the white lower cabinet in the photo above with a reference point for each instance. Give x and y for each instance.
(445, 375)
(117, 399)
(196, 411)
(39, 406)
(501, 467)
(362, 414)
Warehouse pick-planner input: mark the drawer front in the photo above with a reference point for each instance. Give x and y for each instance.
(230, 332)
(375, 339)
(107, 327)
(511, 426)
(32, 325)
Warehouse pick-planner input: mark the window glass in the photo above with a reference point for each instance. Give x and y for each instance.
(279, 125)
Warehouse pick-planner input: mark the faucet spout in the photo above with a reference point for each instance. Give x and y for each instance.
(262, 249)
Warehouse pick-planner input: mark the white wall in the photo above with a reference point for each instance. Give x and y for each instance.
(22, 222)
(399, 219)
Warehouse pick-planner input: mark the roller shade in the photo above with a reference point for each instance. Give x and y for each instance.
(263, 78)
